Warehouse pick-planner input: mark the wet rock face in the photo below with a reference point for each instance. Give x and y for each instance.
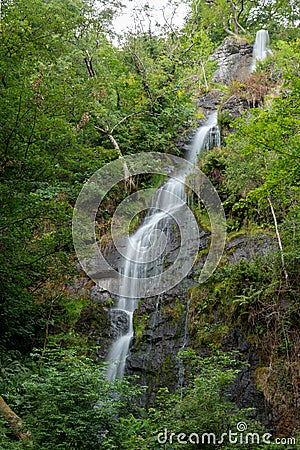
(249, 247)
(82, 285)
(153, 353)
(207, 104)
(119, 323)
(233, 58)
(160, 329)
(231, 109)
(210, 101)
(243, 391)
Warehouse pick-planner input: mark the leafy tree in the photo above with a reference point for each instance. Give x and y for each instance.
(239, 17)
(140, 98)
(44, 87)
(279, 17)
(220, 17)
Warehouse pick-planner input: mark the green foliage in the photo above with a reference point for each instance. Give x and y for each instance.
(67, 403)
(242, 17)
(201, 408)
(251, 296)
(279, 17)
(139, 324)
(43, 159)
(61, 81)
(265, 148)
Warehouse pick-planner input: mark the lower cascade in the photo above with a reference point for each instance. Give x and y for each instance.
(138, 261)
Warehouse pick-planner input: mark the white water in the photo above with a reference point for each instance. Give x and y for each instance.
(143, 245)
(260, 48)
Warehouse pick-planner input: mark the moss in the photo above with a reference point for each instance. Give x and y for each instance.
(93, 326)
(199, 115)
(235, 233)
(211, 334)
(166, 373)
(175, 311)
(251, 230)
(251, 338)
(203, 220)
(218, 86)
(139, 325)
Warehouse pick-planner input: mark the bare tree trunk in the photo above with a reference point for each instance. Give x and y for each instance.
(128, 178)
(235, 26)
(279, 240)
(14, 421)
(236, 15)
(204, 74)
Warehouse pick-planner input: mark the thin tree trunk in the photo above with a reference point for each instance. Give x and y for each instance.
(204, 74)
(236, 15)
(279, 240)
(109, 134)
(89, 65)
(14, 421)
(127, 175)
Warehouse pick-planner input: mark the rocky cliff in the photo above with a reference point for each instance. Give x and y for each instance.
(166, 325)
(233, 59)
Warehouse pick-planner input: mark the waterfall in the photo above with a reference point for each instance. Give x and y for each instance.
(139, 261)
(260, 48)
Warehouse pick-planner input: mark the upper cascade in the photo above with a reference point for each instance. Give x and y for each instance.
(260, 48)
(141, 258)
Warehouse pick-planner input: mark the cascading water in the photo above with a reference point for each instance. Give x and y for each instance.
(260, 48)
(138, 262)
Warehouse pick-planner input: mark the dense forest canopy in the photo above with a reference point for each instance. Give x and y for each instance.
(71, 100)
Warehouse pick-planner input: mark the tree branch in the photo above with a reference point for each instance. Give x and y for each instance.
(241, 10)
(126, 118)
(140, 68)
